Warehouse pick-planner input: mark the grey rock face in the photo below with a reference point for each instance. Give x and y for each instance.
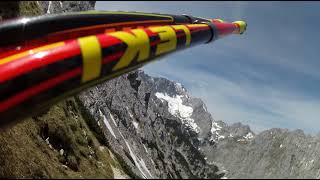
(53, 7)
(140, 125)
(275, 153)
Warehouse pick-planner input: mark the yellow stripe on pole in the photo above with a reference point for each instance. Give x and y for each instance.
(186, 31)
(168, 39)
(197, 25)
(30, 52)
(91, 58)
(219, 20)
(137, 43)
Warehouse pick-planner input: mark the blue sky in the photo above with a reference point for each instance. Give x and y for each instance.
(266, 78)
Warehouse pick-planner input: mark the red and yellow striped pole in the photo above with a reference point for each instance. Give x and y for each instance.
(38, 77)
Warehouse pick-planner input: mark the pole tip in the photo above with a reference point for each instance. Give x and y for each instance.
(242, 26)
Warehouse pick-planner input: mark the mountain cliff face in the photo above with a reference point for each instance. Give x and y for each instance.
(154, 123)
(164, 133)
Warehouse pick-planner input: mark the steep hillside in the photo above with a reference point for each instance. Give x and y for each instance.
(57, 144)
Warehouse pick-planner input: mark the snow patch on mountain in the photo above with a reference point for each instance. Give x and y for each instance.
(112, 118)
(145, 148)
(135, 124)
(215, 131)
(249, 136)
(140, 164)
(134, 121)
(49, 6)
(107, 124)
(176, 108)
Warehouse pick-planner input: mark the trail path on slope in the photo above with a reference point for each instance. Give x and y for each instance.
(117, 174)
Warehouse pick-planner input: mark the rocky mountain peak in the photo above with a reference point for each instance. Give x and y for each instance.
(158, 120)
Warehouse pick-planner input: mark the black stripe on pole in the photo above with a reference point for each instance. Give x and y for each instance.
(19, 30)
(22, 82)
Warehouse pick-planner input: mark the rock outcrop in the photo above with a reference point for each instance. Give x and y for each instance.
(154, 123)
